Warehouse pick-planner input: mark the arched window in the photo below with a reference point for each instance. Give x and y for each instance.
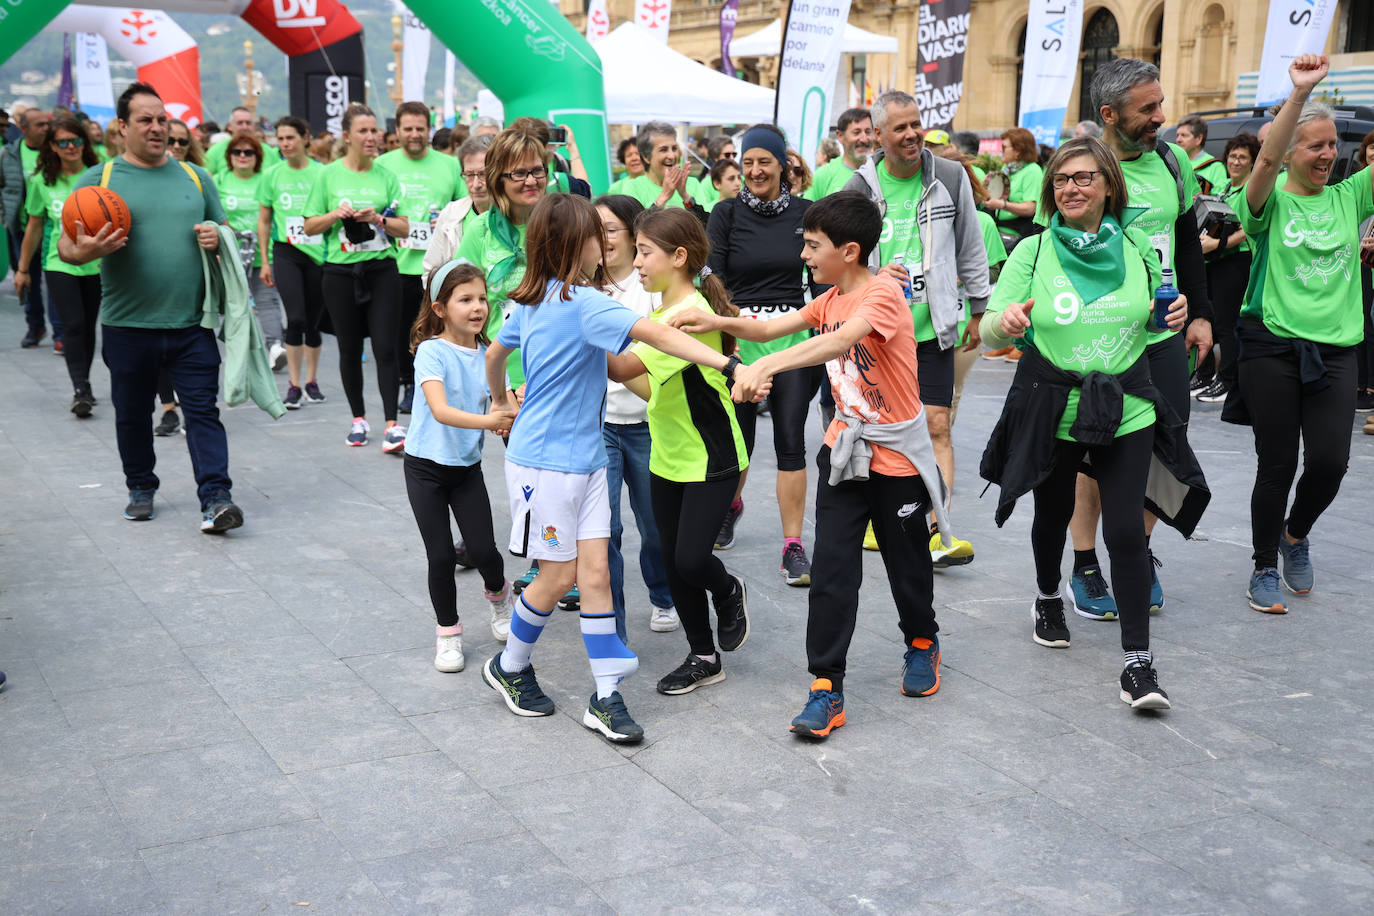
(1100, 38)
(1156, 33)
(1210, 45)
(1020, 72)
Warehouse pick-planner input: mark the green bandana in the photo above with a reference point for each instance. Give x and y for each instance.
(509, 237)
(1095, 262)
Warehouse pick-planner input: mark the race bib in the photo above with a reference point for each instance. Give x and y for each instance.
(378, 242)
(764, 312)
(421, 231)
(918, 283)
(295, 233)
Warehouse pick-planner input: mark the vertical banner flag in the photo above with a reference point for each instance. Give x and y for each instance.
(449, 66)
(598, 21)
(729, 15)
(1295, 27)
(811, 46)
(1053, 34)
(64, 88)
(653, 15)
(414, 58)
(942, 40)
(93, 89)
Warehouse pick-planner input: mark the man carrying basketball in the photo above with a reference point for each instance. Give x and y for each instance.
(152, 297)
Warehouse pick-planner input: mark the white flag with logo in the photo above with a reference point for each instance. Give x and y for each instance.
(598, 21)
(91, 59)
(653, 15)
(414, 59)
(1053, 32)
(449, 66)
(810, 62)
(1295, 27)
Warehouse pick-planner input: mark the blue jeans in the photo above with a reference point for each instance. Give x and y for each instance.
(33, 301)
(134, 357)
(627, 447)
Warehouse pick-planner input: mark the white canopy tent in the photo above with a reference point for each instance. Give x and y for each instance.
(767, 41)
(647, 81)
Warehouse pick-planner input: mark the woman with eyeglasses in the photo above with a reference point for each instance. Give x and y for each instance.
(1015, 210)
(351, 204)
(290, 261)
(457, 216)
(756, 242)
(239, 185)
(73, 289)
(1079, 300)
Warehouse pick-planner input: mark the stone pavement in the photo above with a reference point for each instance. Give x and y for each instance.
(252, 723)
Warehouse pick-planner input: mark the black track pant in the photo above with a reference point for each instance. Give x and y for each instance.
(1226, 282)
(434, 491)
(1282, 412)
(897, 507)
(364, 300)
(298, 283)
(77, 301)
(788, 403)
(412, 291)
(1121, 470)
(688, 516)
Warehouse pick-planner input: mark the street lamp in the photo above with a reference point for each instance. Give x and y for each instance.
(250, 100)
(398, 90)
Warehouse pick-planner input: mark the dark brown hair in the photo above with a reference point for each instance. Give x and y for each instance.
(243, 137)
(675, 228)
(558, 230)
(412, 108)
(1359, 155)
(195, 153)
(1023, 141)
(429, 323)
(49, 163)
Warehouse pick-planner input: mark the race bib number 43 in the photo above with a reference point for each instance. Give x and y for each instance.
(420, 233)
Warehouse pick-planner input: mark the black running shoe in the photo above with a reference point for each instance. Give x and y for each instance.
(82, 402)
(1214, 393)
(693, 673)
(460, 554)
(407, 398)
(1140, 687)
(726, 538)
(1197, 383)
(795, 566)
(220, 515)
(612, 720)
(169, 424)
(140, 508)
(732, 618)
(1051, 629)
(520, 690)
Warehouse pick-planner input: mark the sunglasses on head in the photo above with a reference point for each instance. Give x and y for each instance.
(70, 142)
(179, 141)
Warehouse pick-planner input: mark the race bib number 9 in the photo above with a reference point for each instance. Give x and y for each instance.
(295, 233)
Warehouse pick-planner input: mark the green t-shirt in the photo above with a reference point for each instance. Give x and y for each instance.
(646, 192)
(1023, 185)
(1150, 185)
(703, 192)
(46, 200)
(286, 191)
(1214, 172)
(1305, 279)
(216, 161)
(828, 179)
(28, 158)
(901, 235)
(337, 183)
(427, 186)
(1235, 198)
(239, 197)
(1108, 335)
(982, 175)
(484, 249)
(691, 417)
(997, 253)
(156, 280)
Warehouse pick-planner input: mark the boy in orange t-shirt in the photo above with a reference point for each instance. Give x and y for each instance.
(868, 346)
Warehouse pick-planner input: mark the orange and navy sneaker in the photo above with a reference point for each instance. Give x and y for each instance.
(921, 668)
(823, 713)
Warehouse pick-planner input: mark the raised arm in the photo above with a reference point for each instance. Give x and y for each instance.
(1306, 71)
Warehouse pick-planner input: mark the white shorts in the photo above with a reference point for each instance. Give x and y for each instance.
(550, 511)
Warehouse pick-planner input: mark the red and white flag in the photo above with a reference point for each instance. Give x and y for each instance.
(653, 15)
(598, 21)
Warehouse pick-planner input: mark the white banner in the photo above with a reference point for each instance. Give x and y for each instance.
(1053, 34)
(414, 59)
(91, 60)
(653, 15)
(449, 67)
(808, 69)
(598, 21)
(1295, 27)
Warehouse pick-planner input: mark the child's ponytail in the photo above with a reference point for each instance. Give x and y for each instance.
(675, 228)
(718, 297)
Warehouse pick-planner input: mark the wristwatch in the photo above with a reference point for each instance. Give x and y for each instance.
(730, 366)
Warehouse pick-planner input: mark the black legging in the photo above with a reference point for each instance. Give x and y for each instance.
(364, 300)
(1226, 282)
(1281, 412)
(77, 300)
(1364, 352)
(435, 490)
(1121, 470)
(688, 518)
(412, 292)
(298, 283)
(788, 403)
(1169, 372)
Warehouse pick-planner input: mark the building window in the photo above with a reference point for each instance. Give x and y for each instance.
(1156, 49)
(1100, 39)
(1359, 27)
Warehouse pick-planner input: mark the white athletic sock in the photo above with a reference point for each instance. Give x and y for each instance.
(525, 626)
(611, 661)
(1139, 658)
(1045, 597)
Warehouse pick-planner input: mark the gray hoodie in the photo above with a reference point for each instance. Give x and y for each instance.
(951, 241)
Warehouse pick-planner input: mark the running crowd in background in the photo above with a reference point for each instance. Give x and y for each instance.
(632, 340)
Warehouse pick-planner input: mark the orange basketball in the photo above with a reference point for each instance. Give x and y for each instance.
(94, 207)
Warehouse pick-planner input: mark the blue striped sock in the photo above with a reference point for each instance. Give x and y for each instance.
(610, 659)
(525, 626)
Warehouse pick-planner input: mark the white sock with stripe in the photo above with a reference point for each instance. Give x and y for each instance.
(610, 659)
(525, 626)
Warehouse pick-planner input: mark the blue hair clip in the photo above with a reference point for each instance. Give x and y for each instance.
(436, 281)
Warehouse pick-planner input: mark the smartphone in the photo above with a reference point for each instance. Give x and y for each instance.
(558, 135)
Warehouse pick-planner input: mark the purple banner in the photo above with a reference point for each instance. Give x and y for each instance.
(64, 89)
(729, 15)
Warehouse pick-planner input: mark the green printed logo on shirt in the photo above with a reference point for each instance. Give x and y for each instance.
(901, 235)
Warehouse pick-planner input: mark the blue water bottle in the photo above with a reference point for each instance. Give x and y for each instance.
(1165, 297)
(906, 284)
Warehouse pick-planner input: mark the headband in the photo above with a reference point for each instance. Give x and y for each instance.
(436, 282)
(765, 139)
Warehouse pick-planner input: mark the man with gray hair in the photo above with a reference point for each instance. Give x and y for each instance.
(666, 181)
(1128, 100)
(1088, 129)
(485, 127)
(17, 163)
(930, 240)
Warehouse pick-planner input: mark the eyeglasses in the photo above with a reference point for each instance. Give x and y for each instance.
(1082, 179)
(242, 152)
(615, 230)
(470, 177)
(70, 142)
(179, 141)
(538, 174)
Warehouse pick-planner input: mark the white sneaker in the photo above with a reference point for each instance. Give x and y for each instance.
(394, 440)
(276, 355)
(663, 620)
(501, 606)
(448, 654)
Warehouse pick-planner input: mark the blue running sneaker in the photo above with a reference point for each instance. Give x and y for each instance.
(612, 720)
(572, 601)
(1296, 567)
(823, 713)
(1090, 596)
(520, 690)
(1264, 593)
(1156, 590)
(921, 668)
(525, 579)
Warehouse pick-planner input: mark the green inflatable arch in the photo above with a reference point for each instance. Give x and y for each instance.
(523, 50)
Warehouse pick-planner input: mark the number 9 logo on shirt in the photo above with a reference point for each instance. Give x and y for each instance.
(1066, 306)
(886, 235)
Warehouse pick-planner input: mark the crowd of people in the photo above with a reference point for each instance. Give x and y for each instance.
(632, 340)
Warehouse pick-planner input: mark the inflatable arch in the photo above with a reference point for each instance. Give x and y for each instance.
(531, 57)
